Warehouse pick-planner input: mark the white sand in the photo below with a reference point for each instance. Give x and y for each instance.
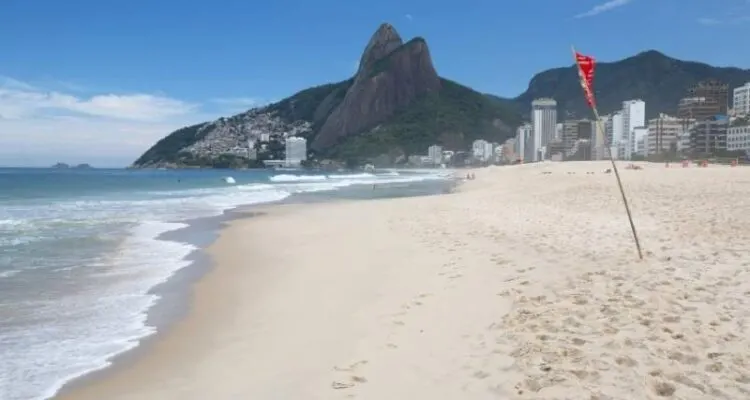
(523, 285)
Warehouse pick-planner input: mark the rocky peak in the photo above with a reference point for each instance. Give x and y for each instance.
(382, 43)
(392, 75)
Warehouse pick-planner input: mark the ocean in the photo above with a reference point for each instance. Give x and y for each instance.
(81, 252)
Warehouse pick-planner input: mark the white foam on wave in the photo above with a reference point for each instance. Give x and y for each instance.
(352, 176)
(297, 178)
(79, 333)
(83, 331)
(9, 273)
(334, 182)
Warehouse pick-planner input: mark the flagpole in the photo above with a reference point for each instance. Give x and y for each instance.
(614, 165)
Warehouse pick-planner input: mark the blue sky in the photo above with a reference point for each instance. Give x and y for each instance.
(99, 81)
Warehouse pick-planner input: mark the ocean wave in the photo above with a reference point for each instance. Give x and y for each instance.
(79, 333)
(106, 313)
(297, 178)
(9, 273)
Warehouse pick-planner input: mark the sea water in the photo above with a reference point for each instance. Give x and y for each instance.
(80, 252)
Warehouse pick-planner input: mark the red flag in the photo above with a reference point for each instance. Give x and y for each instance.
(586, 66)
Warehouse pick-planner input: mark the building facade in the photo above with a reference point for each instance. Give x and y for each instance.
(738, 138)
(704, 101)
(633, 116)
(435, 154)
(709, 136)
(640, 141)
(523, 136)
(483, 150)
(614, 133)
(664, 133)
(544, 126)
(296, 151)
(741, 99)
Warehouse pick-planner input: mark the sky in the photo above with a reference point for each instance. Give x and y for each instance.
(100, 81)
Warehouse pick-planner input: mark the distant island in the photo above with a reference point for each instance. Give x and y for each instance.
(396, 106)
(66, 166)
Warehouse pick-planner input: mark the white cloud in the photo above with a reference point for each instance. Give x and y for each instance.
(41, 127)
(16, 102)
(604, 7)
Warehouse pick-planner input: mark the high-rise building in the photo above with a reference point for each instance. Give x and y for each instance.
(741, 99)
(639, 140)
(614, 133)
(544, 125)
(296, 151)
(435, 154)
(705, 100)
(569, 134)
(523, 136)
(633, 116)
(709, 136)
(483, 150)
(738, 138)
(714, 91)
(664, 133)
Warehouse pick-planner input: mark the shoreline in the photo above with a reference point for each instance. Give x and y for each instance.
(525, 283)
(175, 294)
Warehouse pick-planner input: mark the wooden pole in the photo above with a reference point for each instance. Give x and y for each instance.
(614, 168)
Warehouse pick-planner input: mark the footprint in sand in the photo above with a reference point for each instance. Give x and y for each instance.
(352, 380)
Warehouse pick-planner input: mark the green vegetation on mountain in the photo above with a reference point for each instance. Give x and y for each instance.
(397, 105)
(167, 150)
(310, 104)
(454, 117)
(659, 80)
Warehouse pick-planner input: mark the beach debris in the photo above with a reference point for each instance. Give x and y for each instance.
(608, 171)
(341, 385)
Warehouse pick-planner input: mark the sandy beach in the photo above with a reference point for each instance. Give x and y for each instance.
(524, 284)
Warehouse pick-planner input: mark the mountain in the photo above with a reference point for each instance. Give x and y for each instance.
(659, 80)
(394, 106)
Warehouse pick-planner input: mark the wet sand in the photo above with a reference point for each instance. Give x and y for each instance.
(523, 284)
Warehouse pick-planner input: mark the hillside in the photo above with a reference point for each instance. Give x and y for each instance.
(394, 106)
(657, 79)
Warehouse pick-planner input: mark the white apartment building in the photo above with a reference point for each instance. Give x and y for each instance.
(435, 154)
(633, 116)
(482, 150)
(544, 126)
(523, 135)
(296, 151)
(614, 133)
(640, 141)
(738, 138)
(742, 100)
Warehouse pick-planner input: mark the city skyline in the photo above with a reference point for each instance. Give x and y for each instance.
(104, 90)
(704, 123)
